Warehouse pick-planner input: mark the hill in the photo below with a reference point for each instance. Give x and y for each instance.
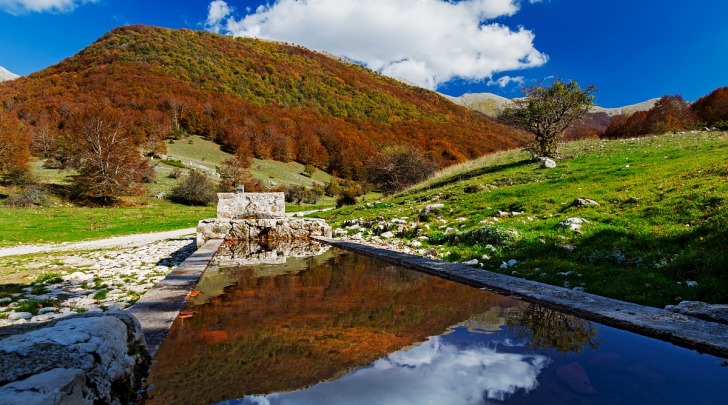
(266, 99)
(492, 104)
(7, 75)
(656, 235)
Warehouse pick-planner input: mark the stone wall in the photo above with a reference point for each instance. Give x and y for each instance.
(251, 205)
(261, 229)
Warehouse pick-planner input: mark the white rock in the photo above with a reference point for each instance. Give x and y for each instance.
(691, 283)
(19, 315)
(512, 262)
(387, 235)
(473, 262)
(547, 163)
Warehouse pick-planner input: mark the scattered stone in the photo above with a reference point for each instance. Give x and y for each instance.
(547, 163)
(415, 244)
(387, 235)
(449, 231)
(573, 223)
(339, 232)
(691, 283)
(473, 262)
(583, 202)
(512, 262)
(569, 248)
(19, 315)
(580, 289)
(430, 253)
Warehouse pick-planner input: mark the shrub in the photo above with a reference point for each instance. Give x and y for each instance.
(28, 196)
(176, 173)
(398, 167)
(196, 189)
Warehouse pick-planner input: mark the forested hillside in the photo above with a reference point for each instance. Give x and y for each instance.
(256, 98)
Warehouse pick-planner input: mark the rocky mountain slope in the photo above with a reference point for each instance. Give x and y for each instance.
(6, 75)
(492, 104)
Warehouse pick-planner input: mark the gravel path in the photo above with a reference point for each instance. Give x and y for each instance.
(100, 275)
(130, 240)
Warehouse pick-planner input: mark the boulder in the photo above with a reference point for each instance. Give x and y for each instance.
(547, 163)
(89, 357)
(57, 386)
(584, 202)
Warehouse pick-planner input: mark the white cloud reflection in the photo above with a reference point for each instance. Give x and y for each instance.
(433, 373)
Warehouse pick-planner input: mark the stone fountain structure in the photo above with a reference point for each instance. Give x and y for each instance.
(257, 216)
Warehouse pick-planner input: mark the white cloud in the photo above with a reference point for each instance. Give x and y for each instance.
(432, 373)
(217, 11)
(506, 80)
(428, 42)
(16, 7)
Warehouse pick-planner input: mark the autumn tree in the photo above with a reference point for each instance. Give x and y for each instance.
(546, 111)
(14, 149)
(670, 113)
(397, 167)
(108, 162)
(713, 108)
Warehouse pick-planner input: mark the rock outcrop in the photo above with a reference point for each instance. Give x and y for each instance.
(86, 358)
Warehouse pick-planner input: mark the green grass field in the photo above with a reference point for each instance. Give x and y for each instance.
(661, 220)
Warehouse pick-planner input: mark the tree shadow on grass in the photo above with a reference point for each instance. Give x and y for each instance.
(475, 173)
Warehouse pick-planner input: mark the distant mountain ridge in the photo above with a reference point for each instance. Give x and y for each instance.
(6, 75)
(266, 99)
(492, 104)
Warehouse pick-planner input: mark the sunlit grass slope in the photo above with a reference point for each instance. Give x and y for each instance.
(658, 236)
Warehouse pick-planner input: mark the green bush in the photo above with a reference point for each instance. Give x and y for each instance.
(196, 189)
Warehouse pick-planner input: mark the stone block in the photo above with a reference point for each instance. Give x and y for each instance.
(251, 205)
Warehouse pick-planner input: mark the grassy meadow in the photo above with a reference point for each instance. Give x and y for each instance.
(658, 236)
(61, 221)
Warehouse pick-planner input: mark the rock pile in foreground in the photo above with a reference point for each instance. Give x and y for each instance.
(81, 359)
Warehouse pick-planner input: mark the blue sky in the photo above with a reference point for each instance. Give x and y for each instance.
(631, 50)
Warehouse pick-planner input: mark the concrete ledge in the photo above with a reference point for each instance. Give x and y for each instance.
(682, 330)
(159, 307)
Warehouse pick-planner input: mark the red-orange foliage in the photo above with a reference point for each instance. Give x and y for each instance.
(670, 113)
(272, 100)
(14, 149)
(713, 107)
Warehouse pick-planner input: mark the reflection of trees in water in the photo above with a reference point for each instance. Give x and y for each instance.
(548, 329)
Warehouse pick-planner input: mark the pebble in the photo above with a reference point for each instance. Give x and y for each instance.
(123, 272)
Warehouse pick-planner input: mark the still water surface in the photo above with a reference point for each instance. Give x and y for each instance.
(340, 328)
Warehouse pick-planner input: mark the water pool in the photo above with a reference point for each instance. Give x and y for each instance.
(341, 328)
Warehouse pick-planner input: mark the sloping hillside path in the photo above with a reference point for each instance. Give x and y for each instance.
(130, 240)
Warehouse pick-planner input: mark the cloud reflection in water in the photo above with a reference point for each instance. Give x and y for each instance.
(435, 372)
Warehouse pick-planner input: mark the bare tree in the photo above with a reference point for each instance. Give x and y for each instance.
(546, 112)
(105, 156)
